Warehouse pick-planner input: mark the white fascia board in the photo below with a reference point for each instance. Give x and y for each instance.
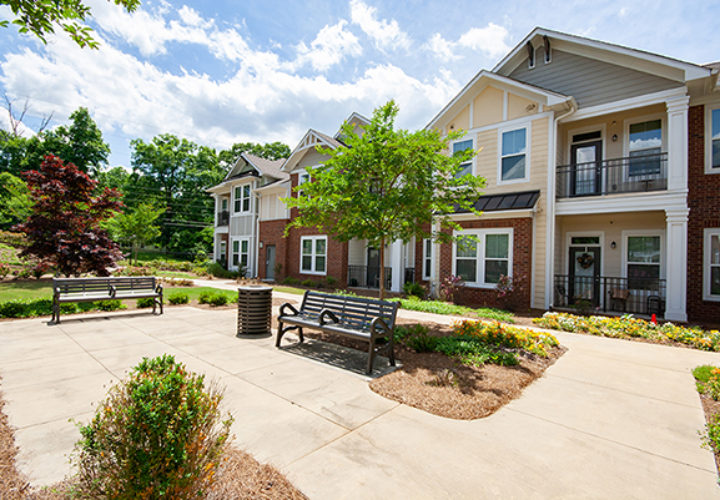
(299, 149)
(500, 214)
(625, 104)
(618, 203)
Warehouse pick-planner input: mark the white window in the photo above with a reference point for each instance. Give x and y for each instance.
(223, 253)
(459, 147)
(427, 260)
(712, 132)
(711, 267)
(645, 140)
(241, 253)
(513, 164)
(224, 204)
(481, 261)
(242, 199)
(313, 254)
(643, 261)
(303, 177)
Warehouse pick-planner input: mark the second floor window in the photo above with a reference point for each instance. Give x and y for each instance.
(513, 155)
(242, 199)
(459, 147)
(645, 148)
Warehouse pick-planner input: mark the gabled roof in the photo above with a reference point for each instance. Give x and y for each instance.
(484, 77)
(269, 168)
(640, 60)
(310, 140)
(354, 117)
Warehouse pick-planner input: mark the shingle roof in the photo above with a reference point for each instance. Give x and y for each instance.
(271, 168)
(507, 201)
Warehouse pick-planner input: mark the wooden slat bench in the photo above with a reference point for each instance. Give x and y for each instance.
(92, 289)
(357, 317)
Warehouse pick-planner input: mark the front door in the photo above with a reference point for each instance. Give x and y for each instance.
(584, 275)
(270, 262)
(586, 173)
(373, 268)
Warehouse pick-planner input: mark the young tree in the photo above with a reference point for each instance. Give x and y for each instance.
(40, 17)
(387, 185)
(15, 204)
(136, 226)
(64, 227)
(271, 151)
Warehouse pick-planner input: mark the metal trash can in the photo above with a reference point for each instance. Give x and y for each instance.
(254, 310)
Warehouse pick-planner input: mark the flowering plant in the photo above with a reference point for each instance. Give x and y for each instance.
(449, 286)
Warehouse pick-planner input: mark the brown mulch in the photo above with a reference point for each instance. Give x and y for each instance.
(442, 386)
(240, 477)
(711, 408)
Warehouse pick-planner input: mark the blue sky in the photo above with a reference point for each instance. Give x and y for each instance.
(229, 71)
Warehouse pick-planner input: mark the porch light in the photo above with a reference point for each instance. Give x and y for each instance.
(613, 245)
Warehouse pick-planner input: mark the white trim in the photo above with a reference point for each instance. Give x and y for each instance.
(232, 265)
(480, 257)
(708, 233)
(629, 233)
(499, 214)
(429, 242)
(505, 105)
(626, 104)
(313, 255)
(528, 146)
(626, 141)
(709, 108)
(624, 202)
(602, 128)
(465, 138)
(242, 198)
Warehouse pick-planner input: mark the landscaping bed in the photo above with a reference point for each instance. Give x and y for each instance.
(628, 327)
(465, 371)
(707, 379)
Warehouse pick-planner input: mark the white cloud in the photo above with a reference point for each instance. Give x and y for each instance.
(491, 40)
(331, 45)
(385, 34)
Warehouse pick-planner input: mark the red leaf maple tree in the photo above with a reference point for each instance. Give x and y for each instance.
(64, 228)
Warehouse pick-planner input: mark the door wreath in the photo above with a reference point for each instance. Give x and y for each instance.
(586, 260)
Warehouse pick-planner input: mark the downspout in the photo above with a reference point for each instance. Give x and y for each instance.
(550, 211)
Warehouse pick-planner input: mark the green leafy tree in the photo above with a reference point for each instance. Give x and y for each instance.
(137, 227)
(387, 185)
(271, 151)
(13, 153)
(15, 202)
(41, 17)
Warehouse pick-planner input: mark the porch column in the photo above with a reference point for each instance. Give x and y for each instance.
(396, 262)
(676, 258)
(677, 140)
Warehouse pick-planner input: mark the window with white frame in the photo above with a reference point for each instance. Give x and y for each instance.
(241, 253)
(712, 264)
(223, 253)
(513, 155)
(714, 146)
(242, 199)
(427, 259)
(645, 148)
(313, 254)
(458, 148)
(303, 177)
(643, 259)
(483, 259)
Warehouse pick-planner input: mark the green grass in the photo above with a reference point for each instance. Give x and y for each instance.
(289, 289)
(702, 373)
(194, 292)
(23, 290)
(439, 307)
(176, 274)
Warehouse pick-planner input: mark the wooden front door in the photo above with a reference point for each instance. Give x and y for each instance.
(373, 267)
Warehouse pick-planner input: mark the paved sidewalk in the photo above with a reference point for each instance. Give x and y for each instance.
(611, 419)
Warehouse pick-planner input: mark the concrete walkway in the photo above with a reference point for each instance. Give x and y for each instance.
(611, 419)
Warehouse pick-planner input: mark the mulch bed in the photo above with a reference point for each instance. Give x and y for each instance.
(241, 476)
(711, 408)
(442, 386)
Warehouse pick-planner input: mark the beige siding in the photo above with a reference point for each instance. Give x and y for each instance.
(519, 106)
(461, 121)
(311, 158)
(488, 107)
(272, 207)
(241, 225)
(590, 81)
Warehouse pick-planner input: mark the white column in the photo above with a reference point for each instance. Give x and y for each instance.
(396, 262)
(676, 259)
(677, 142)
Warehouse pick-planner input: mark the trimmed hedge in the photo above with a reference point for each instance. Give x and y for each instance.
(43, 307)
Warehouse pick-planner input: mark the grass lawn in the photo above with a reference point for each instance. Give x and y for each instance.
(176, 274)
(289, 289)
(14, 290)
(194, 292)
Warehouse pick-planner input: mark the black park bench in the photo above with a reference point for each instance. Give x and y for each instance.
(362, 318)
(92, 289)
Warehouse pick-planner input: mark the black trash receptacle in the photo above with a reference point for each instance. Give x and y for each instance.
(254, 310)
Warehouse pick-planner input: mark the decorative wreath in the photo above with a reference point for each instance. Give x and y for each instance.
(586, 260)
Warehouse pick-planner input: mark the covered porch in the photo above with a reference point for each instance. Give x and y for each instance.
(364, 265)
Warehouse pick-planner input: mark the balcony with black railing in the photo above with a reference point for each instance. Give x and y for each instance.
(635, 295)
(633, 174)
(223, 218)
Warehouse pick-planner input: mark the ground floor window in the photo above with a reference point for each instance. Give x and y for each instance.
(643, 257)
(711, 267)
(427, 258)
(241, 253)
(313, 254)
(481, 256)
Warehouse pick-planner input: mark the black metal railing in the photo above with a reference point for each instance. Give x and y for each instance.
(634, 174)
(609, 294)
(223, 218)
(368, 277)
(409, 275)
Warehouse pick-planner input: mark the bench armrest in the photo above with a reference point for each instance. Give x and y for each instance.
(112, 291)
(380, 324)
(289, 306)
(159, 289)
(330, 314)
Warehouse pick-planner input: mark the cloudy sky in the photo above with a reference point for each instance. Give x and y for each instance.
(225, 71)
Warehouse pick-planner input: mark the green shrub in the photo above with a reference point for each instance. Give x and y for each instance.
(331, 281)
(308, 283)
(43, 307)
(159, 434)
(145, 302)
(4, 270)
(471, 351)
(218, 299)
(291, 281)
(404, 332)
(204, 297)
(422, 343)
(414, 290)
(13, 309)
(217, 270)
(703, 373)
(178, 298)
(108, 305)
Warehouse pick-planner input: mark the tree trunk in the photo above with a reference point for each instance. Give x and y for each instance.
(134, 253)
(382, 268)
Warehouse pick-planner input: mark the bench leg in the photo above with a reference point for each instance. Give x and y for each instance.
(280, 333)
(302, 337)
(391, 353)
(56, 313)
(371, 358)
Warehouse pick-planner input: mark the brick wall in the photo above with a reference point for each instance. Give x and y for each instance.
(704, 204)
(522, 264)
(271, 233)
